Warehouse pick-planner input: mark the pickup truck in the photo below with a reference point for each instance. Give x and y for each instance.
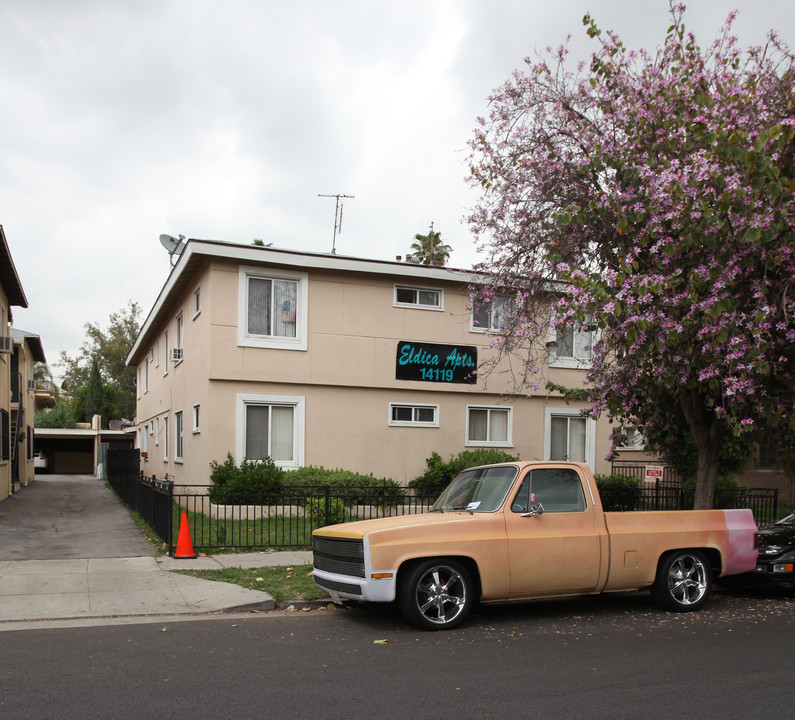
(525, 530)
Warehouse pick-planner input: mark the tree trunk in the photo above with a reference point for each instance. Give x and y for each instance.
(706, 429)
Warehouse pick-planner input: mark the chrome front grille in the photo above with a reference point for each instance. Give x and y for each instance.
(338, 555)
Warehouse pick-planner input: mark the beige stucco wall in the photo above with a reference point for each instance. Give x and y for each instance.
(346, 377)
(5, 396)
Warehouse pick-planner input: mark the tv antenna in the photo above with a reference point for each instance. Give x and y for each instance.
(174, 246)
(337, 218)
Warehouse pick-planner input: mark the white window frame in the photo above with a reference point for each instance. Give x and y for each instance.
(157, 353)
(298, 402)
(179, 436)
(508, 442)
(157, 431)
(139, 384)
(478, 305)
(197, 301)
(590, 432)
(146, 376)
(416, 304)
(179, 327)
(165, 353)
(197, 418)
(299, 342)
(413, 423)
(635, 439)
(165, 439)
(582, 352)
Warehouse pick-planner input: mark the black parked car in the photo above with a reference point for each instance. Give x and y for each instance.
(777, 551)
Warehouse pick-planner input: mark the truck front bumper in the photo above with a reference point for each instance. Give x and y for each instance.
(379, 587)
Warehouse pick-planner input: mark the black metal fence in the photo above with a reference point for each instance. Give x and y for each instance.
(762, 501)
(285, 517)
(670, 477)
(151, 498)
(667, 492)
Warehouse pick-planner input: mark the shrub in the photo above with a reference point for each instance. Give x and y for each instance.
(351, 487)
(728, 493)
(618, 492)
(440, 473)
(253, 482)
(316, 512)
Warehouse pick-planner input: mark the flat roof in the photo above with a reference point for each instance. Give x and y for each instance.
(196, 250)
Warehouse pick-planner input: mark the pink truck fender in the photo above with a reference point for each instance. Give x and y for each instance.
(743, 541)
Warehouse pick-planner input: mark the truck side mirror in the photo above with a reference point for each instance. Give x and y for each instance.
(537, 509)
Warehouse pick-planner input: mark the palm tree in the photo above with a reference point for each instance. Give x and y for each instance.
(430, 248)
(42, 375)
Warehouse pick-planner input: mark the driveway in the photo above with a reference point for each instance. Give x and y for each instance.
(61, 517)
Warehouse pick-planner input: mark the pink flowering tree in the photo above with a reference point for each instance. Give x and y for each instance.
(649, 196)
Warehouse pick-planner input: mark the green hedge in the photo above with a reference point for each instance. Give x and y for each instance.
(253, 482)
(351, 487)
(440, 473)
(618, 492)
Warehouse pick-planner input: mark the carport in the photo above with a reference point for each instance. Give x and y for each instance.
(77, 451)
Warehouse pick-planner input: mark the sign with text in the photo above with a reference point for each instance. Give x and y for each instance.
(653, 473)
(430, 362)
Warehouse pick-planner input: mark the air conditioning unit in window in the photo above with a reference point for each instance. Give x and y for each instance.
(6, 344)
(175, 354)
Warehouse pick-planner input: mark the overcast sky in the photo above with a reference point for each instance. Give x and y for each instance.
(225, 119)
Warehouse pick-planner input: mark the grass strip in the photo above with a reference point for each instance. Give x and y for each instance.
(283, 584)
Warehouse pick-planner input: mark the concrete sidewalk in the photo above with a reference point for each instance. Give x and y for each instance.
(115, 588)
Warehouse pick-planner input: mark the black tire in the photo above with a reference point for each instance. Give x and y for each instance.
(684, 581)
(436, 594)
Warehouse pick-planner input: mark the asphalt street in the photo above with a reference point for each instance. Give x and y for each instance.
(585, 658)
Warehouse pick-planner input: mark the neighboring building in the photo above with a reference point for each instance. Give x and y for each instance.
(316, 359)
(27, 396)
(11, 295)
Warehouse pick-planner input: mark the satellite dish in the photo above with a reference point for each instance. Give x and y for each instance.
(173, 245)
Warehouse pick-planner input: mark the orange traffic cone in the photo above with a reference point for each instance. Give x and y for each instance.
(184, 544)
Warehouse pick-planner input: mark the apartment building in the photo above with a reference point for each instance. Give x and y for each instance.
(334, 361)
(14, 466)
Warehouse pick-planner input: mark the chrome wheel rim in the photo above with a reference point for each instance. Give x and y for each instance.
(441, 595)
(687, 580)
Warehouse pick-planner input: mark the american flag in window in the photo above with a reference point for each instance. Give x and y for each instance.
(288, 311)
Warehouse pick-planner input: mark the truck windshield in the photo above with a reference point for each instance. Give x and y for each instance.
(477, 490)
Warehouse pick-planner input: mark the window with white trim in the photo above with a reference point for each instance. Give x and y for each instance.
(178, 440)
(569, 436)
(139, 384)
(419, 297)
(196, 418)
(146, 375)
(271, 426)
(572, 347)
(629, 438)
(272, 308)
(180, 326)
(165, 353)
(489, 315)
(197, 301)
(165, 439)
(489, 426)
(413, 415)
